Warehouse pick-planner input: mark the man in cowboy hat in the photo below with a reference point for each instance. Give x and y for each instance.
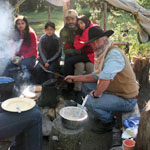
(112, 86)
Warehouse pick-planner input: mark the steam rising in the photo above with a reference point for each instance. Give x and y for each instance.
(7, 47)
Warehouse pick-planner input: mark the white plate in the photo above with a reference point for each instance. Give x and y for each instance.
(23, 104)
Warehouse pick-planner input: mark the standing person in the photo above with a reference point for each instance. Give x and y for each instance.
(28, 49)
(114, 87)
(25, 126)
(50, 53)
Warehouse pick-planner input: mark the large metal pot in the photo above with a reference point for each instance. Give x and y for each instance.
(6, 83)
(73, 117)
(6, 87)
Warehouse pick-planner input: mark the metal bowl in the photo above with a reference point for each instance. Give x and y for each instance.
(73, 117)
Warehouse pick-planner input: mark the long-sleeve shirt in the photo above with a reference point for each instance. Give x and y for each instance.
(49, 48)
(30, 50)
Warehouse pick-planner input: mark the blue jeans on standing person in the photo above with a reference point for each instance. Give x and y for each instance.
(104, 106)
(25, 126)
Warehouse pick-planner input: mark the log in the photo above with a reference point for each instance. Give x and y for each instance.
(143, 136)
(141, 69)
(62, 138)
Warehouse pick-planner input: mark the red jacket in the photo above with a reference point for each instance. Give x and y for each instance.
(85, 48)
(28, 51)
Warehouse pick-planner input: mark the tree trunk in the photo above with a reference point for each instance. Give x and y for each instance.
(143, 136)
(141, 68)
(49, 13)
(67, 5)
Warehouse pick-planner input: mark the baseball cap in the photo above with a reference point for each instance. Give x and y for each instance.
(71, 13)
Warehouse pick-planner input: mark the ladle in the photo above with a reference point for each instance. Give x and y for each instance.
(82, 106)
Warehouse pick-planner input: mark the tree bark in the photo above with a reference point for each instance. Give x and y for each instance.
(141, 69)
(67, 5)
(143, 136)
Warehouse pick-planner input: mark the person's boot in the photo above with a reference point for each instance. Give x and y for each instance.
(101, 127)
(116, 137)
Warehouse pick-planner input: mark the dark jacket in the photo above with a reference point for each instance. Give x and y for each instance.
(67, 38)
(49, 48)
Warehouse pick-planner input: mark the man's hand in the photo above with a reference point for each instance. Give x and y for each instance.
(46, 65)
(68, 46)
(92, 93)
(69, 79)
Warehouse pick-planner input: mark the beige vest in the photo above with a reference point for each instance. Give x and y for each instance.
(124, 83)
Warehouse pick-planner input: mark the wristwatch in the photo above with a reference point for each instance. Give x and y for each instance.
(94, 95)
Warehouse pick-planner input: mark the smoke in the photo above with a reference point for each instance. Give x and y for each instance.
(7, 47)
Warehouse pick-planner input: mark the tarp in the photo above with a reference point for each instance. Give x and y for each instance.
(58, 3)
(142, 16)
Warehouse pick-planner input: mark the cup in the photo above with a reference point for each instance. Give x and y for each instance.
(129, 144)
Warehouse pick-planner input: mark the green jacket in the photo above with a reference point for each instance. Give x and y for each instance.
(67, 36)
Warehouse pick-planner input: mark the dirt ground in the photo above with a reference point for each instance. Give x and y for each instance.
(144, 96)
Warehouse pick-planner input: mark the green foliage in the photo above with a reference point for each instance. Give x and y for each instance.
(144, 3)
(118, 20)
(37, 20)
(29, 5)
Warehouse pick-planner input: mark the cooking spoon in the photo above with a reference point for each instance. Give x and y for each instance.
(82, 106)
(18, 108)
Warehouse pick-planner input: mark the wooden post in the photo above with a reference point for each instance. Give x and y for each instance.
(141, 68)
(49, 13)
(143, 136)
(67, 5)
(105, 16)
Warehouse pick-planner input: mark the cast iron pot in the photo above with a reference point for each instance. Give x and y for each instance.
(6, 87)
(48, 94)
(6, 84)
(73, 117)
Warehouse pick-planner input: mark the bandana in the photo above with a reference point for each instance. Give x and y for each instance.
(99, 59)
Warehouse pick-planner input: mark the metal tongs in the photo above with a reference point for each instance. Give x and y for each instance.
(48, 71)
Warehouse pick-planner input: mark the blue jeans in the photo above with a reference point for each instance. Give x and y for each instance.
(26, 66)
(71, 61)
(25, 126)
(104, 106)
(41, 75)
(29, 62)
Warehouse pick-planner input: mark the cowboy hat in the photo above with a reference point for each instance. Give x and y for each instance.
(96, 32)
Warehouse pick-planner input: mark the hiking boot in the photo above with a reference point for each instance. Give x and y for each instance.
(116, 137)
(101, 127)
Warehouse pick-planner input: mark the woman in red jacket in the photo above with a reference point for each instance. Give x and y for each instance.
(87, 53)
(28, 49)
